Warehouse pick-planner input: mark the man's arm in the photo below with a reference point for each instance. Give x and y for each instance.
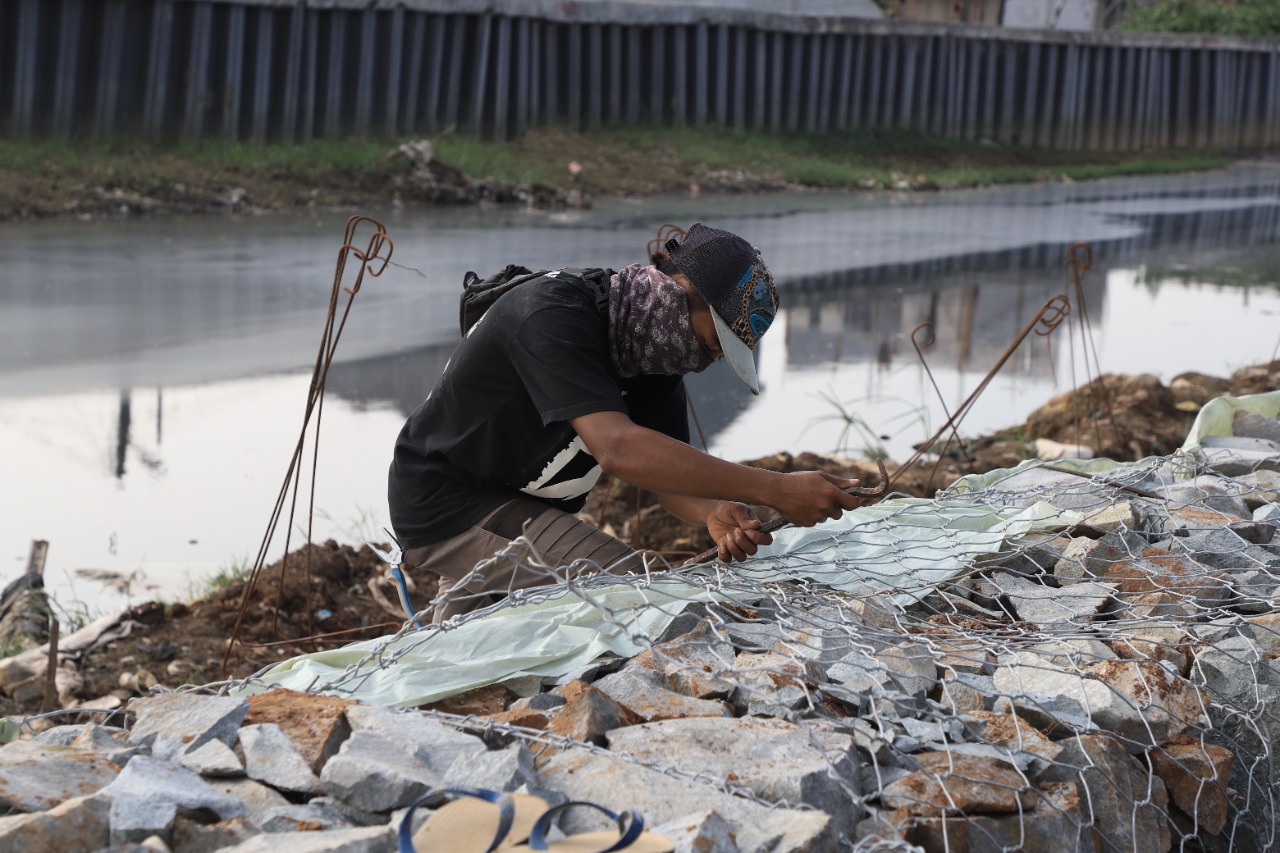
(650, 460)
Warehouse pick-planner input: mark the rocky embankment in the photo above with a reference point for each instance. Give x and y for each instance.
(1109, 683)
(1110, 686)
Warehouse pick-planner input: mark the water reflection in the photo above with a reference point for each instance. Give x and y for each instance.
(152, 376)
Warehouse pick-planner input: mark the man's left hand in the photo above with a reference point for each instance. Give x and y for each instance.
(735, 527)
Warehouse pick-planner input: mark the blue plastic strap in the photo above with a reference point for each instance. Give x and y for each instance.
(630, 826)
(431, 799)
(403, 589)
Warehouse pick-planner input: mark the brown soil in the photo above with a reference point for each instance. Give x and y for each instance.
(186, 642)
(344, 594)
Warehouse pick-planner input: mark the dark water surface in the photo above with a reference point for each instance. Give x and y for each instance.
(153, 373)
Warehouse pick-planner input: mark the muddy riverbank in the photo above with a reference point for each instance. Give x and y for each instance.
(547, 169)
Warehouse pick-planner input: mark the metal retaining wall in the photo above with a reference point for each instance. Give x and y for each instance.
(275, 69)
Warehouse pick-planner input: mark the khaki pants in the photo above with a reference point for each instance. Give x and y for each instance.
(558, 539)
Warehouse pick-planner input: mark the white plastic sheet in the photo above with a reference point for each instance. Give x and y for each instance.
(900, 547)
(1215, 416)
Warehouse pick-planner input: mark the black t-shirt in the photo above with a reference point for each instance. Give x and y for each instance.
(496, 425)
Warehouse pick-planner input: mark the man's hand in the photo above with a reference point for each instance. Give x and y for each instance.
(807, 498)
(735, 527)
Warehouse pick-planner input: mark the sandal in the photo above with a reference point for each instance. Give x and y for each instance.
(461, 825)
(630, 835)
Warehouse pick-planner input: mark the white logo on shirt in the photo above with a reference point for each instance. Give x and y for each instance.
(548, 485)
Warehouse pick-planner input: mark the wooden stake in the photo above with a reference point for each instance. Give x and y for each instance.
(51, 673)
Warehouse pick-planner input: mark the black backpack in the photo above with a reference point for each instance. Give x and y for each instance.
(478, 294)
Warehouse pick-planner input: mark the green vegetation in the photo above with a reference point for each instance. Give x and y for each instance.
(1220, 17)
(95, 178)
(645, 160)
(238, 569)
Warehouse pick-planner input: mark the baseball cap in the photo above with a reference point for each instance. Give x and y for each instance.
(733, 279)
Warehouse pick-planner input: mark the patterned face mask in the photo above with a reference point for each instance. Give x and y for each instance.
(651, 327)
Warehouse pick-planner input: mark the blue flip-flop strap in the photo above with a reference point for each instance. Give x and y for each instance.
(630, 826)
(506, 814)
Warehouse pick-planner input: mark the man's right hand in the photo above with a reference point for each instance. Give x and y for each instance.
(811, 497)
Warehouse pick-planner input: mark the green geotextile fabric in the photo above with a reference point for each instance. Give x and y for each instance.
(1215, 416)
(899, 547)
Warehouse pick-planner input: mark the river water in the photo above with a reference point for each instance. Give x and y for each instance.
(153, 373)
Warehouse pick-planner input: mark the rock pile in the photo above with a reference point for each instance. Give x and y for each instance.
(1109, 687)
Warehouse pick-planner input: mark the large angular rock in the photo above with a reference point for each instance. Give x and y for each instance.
(961, 697)
(371, 839)
(1030, 554)
(1234, 672)
(703, 832)
(146, 797)
(1254, 425)
(589, 714)
(1011, 732)
(1051, 607)
(171, 724)
(270, 757)
(1196, 775)
(78, 825)
(1158, 571)
(109, 742)
(1209, 491)
(258, 800)
(1260, 488)
(215, 758)
(947, 781)
(692, 663)
(1222, 548)
(1089, 559)
(431, 742)
(35, 777)
(191, 836)
(822, 634)
(1232, 456)
(778, 761)
(1167, 642)
(772, 684)
(911, 666)
(499, 770)
(1113, 517)
(307, 817)
(1265, 631)
(618, 785)
(1140, 701)
(377, 773)
(1053, 823)
(317, 725)
(1124, 803)
(645, 692)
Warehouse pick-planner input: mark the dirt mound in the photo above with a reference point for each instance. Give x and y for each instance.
(1120, 417)
(185, 643)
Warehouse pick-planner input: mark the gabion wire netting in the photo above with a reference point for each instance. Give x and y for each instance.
(1106, 680)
